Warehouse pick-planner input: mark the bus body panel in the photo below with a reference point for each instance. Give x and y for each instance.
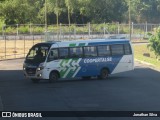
(125, 64)
(69, 68)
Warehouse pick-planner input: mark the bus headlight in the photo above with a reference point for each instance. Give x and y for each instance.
(40, 68)
(24, 68)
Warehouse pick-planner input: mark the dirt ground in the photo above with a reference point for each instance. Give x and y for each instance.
(10, 49)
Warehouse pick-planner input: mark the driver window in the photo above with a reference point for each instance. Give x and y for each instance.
(53, 54)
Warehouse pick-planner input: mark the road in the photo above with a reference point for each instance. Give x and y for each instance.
(136, 90)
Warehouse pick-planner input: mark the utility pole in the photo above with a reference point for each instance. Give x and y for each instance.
(130, 20)
(45, 15)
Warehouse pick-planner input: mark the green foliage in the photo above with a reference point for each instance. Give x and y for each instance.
(66, 11)
(19, 11)
(1, 25)
(10, 30)
(112, 28)
(24, 29)
(124, 29)
(139, 51)
(154, 41)
(145, 10)
(38, 30)
(59, 7)
(78, 11)
(82, 29)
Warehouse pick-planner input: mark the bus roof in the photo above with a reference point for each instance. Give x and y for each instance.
(92, 40)
(89, 42)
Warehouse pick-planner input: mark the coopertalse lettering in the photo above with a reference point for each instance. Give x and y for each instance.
(95, 60)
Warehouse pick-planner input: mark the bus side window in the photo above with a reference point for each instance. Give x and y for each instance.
(53, 55)
(104, 50)
(76, 52)
(63, 53)
(90, 51)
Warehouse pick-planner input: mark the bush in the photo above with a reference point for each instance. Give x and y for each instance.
(154, 41)
(24, 29)
(10, 30)
(38, 30)
(1, 25)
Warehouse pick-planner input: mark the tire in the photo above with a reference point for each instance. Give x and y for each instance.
(103, 74)
(53, 77)
(35, 80)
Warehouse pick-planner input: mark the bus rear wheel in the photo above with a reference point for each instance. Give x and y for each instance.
(103, 74)
(53, 77)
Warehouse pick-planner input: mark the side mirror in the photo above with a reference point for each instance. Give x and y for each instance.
(50, 57)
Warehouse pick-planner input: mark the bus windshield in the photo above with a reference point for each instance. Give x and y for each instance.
(37, 54)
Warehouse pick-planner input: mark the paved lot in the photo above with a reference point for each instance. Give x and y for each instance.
(136, 90)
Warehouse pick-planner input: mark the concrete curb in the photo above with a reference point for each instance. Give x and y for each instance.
(148, 65)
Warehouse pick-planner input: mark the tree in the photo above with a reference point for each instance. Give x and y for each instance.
(56, 6)
(72, 6)
(18, 11)
(67, 11)
(83, 8)
(154, 41)
(105, 10)
(145, 10)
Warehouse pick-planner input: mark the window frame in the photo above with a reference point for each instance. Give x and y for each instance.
(103, 55)
(48, 60)
(89, 56)
(77, 56)
(130, 50)
(116, 54)
(60, 54)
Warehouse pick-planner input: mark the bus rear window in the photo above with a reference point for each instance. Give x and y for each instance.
(117, 49)
(127, 49)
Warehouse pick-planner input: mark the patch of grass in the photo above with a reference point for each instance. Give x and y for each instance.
(139, 41)
(138, 54)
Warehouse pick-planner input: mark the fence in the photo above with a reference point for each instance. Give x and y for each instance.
(16, 40)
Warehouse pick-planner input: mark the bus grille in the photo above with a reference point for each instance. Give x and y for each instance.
(31, 71)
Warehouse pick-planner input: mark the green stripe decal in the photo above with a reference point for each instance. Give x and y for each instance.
(73, 68)
(69, 67)
(72, 45)
(81, 44)
(63, 65)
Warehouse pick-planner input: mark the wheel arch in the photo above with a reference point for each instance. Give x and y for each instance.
(109, 72)
(56, 71)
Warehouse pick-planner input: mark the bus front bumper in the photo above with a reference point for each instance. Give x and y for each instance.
(36, 75)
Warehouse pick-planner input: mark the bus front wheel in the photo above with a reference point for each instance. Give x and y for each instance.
(53, 77)
(103, 74)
